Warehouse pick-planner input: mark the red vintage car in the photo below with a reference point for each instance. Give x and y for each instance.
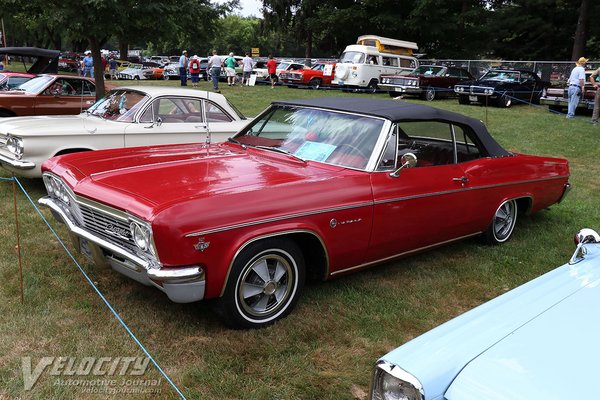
(310, 189)
(49, 95)
(318, 75)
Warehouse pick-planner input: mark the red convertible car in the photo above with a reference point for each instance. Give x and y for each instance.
(318, 75)
(310, 188)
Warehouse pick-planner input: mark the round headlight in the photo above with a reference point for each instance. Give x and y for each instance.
(15, 146)
(141, 236)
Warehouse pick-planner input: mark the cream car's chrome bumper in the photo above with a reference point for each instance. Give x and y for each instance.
(16, 164)
(181, 285)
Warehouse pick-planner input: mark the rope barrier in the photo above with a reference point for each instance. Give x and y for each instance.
(106, 302)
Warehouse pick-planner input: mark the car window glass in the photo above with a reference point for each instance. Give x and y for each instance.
(215, 114)
(388, 158)
(353, 57)
(466, 148)
(430, 141)
(319, 135)
(119, 105)
(37, 84)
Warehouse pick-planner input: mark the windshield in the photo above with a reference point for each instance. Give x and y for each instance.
(326, 136)
(318, 67)
(353, 57)
(36, 85)
(283, 65)
(429, 70)
(119, 105)
(509, 76)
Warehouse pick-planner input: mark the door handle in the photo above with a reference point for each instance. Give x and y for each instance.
(463, 180)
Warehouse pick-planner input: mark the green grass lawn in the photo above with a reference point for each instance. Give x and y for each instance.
(326, 348)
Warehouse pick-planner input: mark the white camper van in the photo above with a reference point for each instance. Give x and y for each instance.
(361, 64)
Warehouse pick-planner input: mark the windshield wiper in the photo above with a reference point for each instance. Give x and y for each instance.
(282, 151)
(232, 140)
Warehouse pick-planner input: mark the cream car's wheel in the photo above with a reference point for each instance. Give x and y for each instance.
(503, 223)
(264, 284)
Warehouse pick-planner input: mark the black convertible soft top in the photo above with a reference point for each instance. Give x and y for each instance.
(397, 111)
(47, 60)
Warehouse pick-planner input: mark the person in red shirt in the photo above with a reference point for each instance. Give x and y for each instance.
(194, 68)
(272, 70)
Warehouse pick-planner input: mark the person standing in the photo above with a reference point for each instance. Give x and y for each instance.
(596, 111)
(230, 65)
(112, 68)
(272, 70)
(246, 68)
(576, 84)
(88, 64)
(195, 70)
(183, 63)
(215, 63)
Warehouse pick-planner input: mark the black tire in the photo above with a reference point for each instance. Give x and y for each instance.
(429, 94)
(4, 114)
(503, 223)
(372, 86)
(264, 284)
(556, 108)
(315, 83)
(393, 94)
(136, 78)
(463, 99)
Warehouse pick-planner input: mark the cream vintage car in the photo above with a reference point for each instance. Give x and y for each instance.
(126, 117)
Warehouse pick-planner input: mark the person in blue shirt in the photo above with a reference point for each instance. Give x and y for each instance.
(183, 64)
(88, 64)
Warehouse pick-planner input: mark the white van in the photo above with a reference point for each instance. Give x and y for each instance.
(361, 64)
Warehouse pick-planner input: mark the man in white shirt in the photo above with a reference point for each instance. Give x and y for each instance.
(247, 68)
(575, 84)
(215, 63)
(183, 64)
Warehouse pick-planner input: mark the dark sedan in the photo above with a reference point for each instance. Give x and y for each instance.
(426, 81)
(502, 87)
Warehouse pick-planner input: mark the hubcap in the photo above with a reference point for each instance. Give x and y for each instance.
(266, 285)
(504, 220)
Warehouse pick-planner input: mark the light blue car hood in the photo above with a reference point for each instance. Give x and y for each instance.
(538, 341)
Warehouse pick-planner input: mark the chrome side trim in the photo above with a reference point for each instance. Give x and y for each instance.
(418, 196)
(18, 164)
(48, 202)
(382, 260)
(378, 202)
(275, 219)
(246, 244)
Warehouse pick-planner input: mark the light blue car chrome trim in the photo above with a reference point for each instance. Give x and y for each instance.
(18, 164)
(48, 202)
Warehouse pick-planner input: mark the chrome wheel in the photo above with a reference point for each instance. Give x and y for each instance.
(264, 284)
(315, 83)
(430, 94)
(503, 223)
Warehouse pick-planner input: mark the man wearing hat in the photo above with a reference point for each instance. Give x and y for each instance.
(575, 84)
(183, 63)
(88, 64)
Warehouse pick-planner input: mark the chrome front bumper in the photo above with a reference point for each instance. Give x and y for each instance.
(400, 89)
(181, 285)
(15, 164)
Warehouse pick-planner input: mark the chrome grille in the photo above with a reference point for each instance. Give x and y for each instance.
(107, 227)
(3, 139)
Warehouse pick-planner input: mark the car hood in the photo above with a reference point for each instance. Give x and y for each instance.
(537, 341)
(553, 356)
(56, 125)
(149, 180)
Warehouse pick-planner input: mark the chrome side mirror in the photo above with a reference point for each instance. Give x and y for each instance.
(408, 160)
(584, 236)
(157, 122)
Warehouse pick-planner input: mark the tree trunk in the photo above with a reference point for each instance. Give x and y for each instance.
(582, 30)
(98, 67)
(123, 50)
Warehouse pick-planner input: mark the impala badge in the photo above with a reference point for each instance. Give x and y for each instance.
(201, 245)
